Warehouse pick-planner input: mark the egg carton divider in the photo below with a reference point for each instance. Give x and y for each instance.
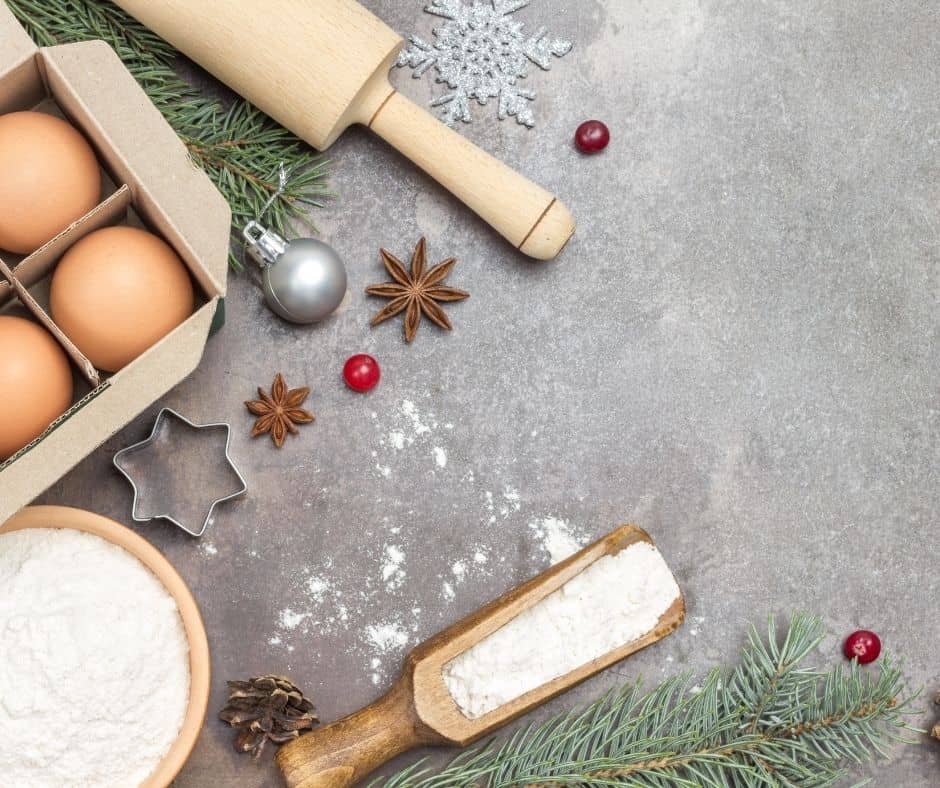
(78, 358)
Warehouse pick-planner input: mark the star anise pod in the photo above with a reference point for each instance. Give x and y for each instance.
(279, 412)
(416, 292)
(266, 708)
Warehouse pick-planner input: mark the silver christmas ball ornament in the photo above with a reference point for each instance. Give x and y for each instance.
(304, 279)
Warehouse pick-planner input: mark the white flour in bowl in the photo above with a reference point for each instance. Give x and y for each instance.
(94, 663)
(616, 600)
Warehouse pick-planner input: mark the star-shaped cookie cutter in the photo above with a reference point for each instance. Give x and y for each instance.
(147, 442)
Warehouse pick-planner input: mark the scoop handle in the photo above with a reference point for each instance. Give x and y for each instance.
(344, 752)
(531, 218)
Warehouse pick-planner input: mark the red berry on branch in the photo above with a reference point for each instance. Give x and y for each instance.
(592, 136)
(863, 645)
(361, 372)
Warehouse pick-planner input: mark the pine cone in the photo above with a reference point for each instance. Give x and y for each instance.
(266, 707)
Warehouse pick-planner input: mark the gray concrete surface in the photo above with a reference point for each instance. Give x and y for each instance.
(738, 351)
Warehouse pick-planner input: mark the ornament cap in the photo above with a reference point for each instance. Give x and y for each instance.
(264, 246)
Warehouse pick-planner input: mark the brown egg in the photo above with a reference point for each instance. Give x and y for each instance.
(35, 382)
(49, 177)
(117, 292)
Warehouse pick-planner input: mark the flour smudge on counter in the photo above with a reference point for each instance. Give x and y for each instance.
(379, 605)
(557, 537)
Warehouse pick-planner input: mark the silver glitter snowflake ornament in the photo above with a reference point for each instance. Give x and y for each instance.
(480, 52)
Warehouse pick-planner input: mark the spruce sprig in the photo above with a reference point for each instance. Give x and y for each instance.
(240, 148)
(770, 722)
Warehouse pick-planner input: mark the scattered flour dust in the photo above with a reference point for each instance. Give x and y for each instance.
(410, 427)
(291, 619)
(616, 600)
(328, 607)
(417, 425)
(558, 538)
(317, 587)
(327, 604)
(387, 637)
(94, 663)
(502, 508)
(392, 572)
(208, 548)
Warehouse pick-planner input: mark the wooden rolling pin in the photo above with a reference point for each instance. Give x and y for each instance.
(318, 66)
(419, 709)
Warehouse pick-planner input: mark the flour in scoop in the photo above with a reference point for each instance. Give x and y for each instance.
(616, 600)
(94, 663)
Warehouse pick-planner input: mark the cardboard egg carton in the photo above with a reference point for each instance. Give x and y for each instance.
(150, 182)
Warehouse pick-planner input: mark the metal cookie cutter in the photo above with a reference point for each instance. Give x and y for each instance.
(148, 444)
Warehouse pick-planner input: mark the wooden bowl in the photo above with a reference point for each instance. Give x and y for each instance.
(153, 559)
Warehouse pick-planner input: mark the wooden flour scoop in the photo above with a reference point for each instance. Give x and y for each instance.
(318, 66)
(419, 710)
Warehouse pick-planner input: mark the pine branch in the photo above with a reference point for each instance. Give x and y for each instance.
(241, 149)
(772, 721)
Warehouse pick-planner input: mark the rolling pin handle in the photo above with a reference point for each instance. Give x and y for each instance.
(528, 216)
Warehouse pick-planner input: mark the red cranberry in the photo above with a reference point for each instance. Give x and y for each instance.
(361, 372)
(863, 645)
(592, 136)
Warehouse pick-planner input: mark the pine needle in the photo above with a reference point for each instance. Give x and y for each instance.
(241, 149)
(772, 722)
